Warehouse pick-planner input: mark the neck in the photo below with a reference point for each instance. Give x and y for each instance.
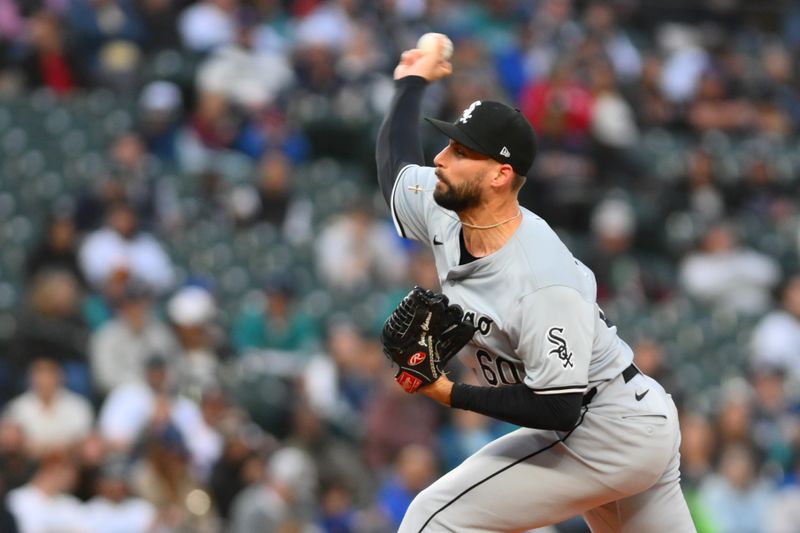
(487, 228)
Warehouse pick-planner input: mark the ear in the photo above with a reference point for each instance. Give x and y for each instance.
(503, 177)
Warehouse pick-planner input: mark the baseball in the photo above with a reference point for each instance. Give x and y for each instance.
(429, 43)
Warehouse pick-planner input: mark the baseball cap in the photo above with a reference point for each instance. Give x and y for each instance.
(191, 306)
(496, 130)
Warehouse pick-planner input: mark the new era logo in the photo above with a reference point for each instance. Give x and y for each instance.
(504, 152)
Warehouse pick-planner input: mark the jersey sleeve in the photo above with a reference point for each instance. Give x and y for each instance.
(412, 201)
(555, 340)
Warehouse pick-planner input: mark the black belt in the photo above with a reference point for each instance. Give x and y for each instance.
(627, 375)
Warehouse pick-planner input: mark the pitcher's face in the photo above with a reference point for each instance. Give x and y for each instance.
(461, 172)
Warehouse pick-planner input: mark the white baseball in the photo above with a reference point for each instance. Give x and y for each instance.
(429, 43)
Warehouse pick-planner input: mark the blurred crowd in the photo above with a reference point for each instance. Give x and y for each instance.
(135, 398)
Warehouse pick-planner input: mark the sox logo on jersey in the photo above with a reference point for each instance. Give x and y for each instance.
(554, 335)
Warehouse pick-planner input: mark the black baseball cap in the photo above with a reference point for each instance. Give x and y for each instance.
(495, 130)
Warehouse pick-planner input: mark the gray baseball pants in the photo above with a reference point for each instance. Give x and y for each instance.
(618, 469)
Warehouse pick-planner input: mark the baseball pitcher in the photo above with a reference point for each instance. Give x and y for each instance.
(597, 437)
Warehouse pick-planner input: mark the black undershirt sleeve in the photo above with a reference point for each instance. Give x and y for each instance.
(519, 405)
(398, 141)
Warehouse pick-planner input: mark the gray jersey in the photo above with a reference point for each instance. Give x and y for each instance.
(534, 303)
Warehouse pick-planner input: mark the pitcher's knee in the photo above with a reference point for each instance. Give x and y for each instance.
(425, 512)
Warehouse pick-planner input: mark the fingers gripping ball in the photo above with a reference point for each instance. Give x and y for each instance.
(436, 43)
(421, 335)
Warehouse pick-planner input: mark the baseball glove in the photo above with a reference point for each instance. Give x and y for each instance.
(422, 334)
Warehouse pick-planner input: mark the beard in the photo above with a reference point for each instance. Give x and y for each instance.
(458, 197)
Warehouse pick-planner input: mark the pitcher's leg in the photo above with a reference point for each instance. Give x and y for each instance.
(660, 508)
(604, 519)
(524, 480)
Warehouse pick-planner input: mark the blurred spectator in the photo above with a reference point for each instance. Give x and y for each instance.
(192, 311)
(735, 414)
(51, 326)
(726, 275)
(206, 435)
(784, 510)
(90, 456)
(761, 194)
(238, 466)
(114, 508)
(413, 470)
(132, 180)
(283, 498)
(555, 31)
(698, 447)
(98, 23)
(653, 108)
(601, 24)
(213, 130)
(339, 383)
(11, 22)
(58, 250)
(51, 417)
(394, 420)
(335, 459)
(130, 408)
(279, 323)
(700, 193)
(159, 20)
(779, 74)
(613, 127)
(152, 197)
(160, 114)
(337, 512)
(16, 464)
(735, 498)
(208, 24)
(7, 522)
(776, 426)
(50, 62)
(776, 338)
(45, 504)
(685, 61)
(261, 75)
(272, 200)
(271, 130)
(356, 248)
(559, 108)
(162, 477)
(327, 26)
(714, 108)
(119, 349)
(121, 245)
(617, 270)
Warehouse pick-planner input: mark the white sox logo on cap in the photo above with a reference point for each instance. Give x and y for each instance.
(467, 114)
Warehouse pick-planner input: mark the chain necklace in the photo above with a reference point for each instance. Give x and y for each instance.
(490, 226)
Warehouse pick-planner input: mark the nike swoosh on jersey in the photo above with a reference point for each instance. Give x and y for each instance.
(640, 396)
(436, 241)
